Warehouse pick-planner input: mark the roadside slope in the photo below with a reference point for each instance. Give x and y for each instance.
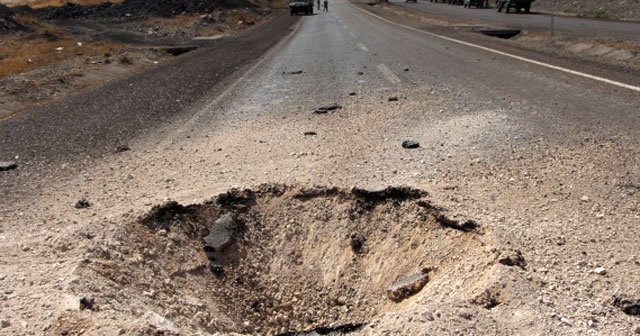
(94, 122)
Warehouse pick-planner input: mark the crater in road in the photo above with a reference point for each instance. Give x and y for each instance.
(292, 260)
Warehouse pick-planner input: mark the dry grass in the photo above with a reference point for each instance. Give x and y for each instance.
(21, 55)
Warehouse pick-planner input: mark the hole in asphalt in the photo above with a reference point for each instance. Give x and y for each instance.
(290, 260)
(501, 33)
(179, 50)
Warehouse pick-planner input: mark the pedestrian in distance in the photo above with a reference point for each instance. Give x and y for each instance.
(326, 5)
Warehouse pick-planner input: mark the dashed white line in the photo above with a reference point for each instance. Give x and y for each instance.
(388, 74)
(520, 58)
(362, 47)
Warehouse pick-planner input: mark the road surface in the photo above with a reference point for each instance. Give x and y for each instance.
(533, 21)
(545, 161)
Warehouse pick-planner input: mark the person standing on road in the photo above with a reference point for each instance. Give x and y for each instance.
(326, 5)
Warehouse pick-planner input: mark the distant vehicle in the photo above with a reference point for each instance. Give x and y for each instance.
(519, 5)
(304, 7)
(474, 3)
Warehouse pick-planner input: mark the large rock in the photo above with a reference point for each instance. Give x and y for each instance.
(221, 235)
(407, 286)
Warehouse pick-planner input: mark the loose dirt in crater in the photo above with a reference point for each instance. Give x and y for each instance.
(285, 260)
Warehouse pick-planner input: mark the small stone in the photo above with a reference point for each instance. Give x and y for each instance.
(406, 69)
(407, 286)
(162, 232)
(600, 271)
(327, 108)
(637, 331)
(8, 165)
(581, 263)
(23, 324)
(585, 198)
(25, 248)
(410, 144)
(565, 321)
(83, 204)
(122, 148)
(357, 242)
(352, 94)
(86, 303)
(5, 324)
(391, 99)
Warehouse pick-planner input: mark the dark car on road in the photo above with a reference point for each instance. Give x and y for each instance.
(304, 7)
(518, 5)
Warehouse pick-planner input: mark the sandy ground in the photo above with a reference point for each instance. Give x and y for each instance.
(567, 199)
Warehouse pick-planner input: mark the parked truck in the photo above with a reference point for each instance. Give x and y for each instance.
(304, 7)
(518, 5)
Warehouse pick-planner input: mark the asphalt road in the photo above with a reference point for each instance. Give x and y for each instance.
(334, 48)
(533, 21)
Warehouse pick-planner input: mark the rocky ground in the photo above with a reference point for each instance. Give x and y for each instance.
(257, 211)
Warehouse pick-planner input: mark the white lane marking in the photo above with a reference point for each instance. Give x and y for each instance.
(524, 59)
(388, 74)
(362, 47)
(215, 37)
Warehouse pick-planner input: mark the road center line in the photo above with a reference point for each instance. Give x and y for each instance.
(520, 58)
(362, 47)
(388, 74)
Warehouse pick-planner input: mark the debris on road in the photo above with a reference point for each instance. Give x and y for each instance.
(628, 306)
(7, 165)
(83, 204)
(407, 286)
(394, 98)
(328, 108)
(298, 72)
(600, 271)
(309, 133)
(122, 148)
(410, 144)
(513, 258)
(87, 303)
(352, 93)
(357, 242)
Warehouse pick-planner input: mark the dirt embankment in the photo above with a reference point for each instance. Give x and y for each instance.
(603, 9)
